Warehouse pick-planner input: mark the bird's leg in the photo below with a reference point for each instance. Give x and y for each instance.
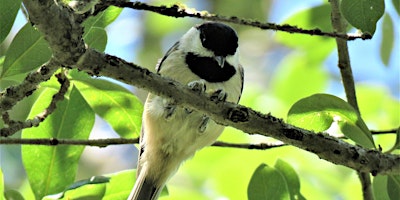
(219, 95)
(170, 107)
(203, 123)
(198, 86)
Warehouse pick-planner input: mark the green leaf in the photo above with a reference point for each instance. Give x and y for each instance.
(8, 13)
(393, 186)
(321, 112)
(380, 189)
(27, 51)
(120, 185)
(387, 39)
(115, 186)
(94, 34)
(115, 104)
(51, 168)
(363, 14)
(91, 180)
(96, 38)
(88, 191)
(103, 19)
(267, 183)
(93, 188)
(291, 178)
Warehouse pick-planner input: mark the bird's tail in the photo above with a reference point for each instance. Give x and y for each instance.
(145, 189)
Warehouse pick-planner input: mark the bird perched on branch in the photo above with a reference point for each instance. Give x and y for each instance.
(206, 59)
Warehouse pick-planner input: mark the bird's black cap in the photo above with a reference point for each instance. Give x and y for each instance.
(219, 38)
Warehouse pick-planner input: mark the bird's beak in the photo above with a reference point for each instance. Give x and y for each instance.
(220, 60)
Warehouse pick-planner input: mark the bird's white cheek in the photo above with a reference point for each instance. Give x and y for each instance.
(233, 60)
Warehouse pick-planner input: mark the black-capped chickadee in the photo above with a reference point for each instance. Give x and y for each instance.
(206, 59)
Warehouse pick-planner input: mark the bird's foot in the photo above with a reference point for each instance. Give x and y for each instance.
(219, 95)
(203, 123)
(198, 86)
(169, 108)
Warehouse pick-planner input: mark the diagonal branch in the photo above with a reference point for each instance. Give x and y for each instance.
(240, 117)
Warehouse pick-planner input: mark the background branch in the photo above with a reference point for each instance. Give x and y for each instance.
(120, 141)
(56, 141)
(180, 11)
(377, 132)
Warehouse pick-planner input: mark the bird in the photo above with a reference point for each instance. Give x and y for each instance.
(206, 59)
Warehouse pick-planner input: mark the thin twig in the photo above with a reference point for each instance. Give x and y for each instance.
(13, 94)
(378, 132)
(338, 24)
(56, 141)
(120, 141)
(178, 11)
(14, 126)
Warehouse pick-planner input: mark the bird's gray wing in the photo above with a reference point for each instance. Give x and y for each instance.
(241, 71)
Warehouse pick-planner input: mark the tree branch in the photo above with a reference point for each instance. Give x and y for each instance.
(12, 127)
(14, 94)
(56, 141)
(120, 141)
(339, 25)
(240, 117)
(378, 132)
(179, 11)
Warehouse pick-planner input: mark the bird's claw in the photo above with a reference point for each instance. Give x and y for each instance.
(219, 95)
(204, 123)
(170, 108)
(198, 86)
